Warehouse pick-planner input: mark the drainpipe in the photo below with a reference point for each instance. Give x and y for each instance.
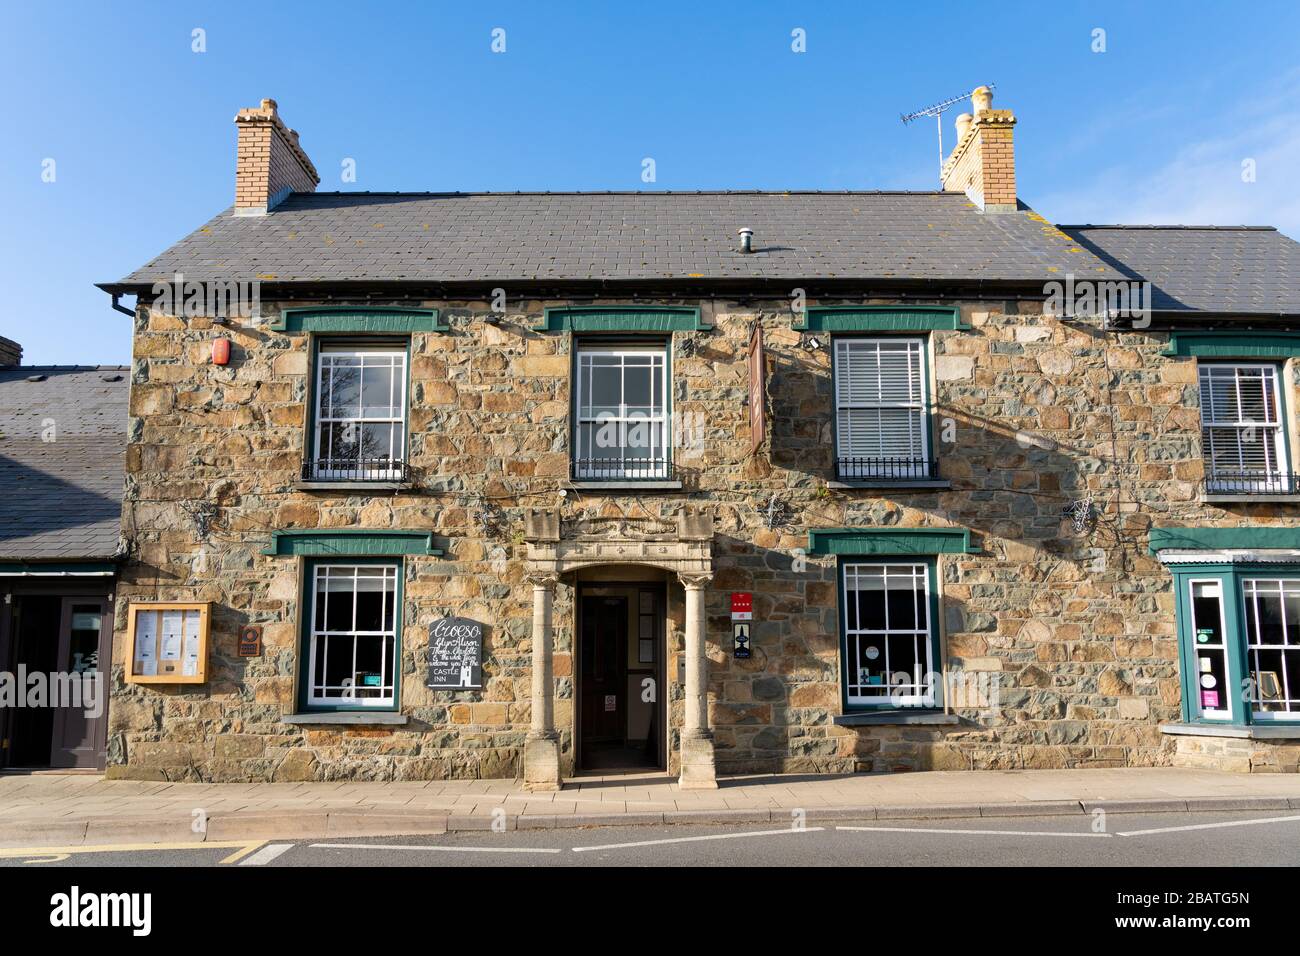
(121, 308)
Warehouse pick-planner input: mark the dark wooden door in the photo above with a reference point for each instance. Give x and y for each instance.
(84, 653)
(604, 669)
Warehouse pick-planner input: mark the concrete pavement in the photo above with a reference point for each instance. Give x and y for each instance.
(66, 810)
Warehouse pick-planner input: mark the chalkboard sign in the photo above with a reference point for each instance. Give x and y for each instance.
(455, 654)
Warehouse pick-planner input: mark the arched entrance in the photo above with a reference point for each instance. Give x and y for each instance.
(683, 547)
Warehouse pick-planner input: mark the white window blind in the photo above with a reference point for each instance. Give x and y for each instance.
(880, 408)
(1241, 429)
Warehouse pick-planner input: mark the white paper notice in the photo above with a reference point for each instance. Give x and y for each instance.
(191, 643)
(171, 636)
(149, 668)
(146, 640)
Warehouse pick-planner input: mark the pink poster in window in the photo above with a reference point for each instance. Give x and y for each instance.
(1210, 698)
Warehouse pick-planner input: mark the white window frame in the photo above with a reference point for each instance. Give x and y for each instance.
(924, 691)
(658, 420)
(1250, 591)
(397, 360)
(1224, 648)
(319, 638)
(918, 385)
(1275, 480)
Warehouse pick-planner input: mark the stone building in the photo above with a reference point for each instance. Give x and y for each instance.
(1000, 493)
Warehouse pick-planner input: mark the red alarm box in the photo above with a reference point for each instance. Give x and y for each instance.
(221, 352)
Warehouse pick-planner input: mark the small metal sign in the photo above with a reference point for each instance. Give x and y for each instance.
(455, 654)
(611, 703)
(742, 606)
(740, 635)
(250, 641)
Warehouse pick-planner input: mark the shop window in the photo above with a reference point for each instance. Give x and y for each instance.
(890, 639)
(352, 635)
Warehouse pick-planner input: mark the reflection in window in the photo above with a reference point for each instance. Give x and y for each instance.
(353, 635)
(887, 627)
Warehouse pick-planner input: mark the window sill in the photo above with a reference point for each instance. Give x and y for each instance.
(894, 717)
(902, 484)
(346, 717)
(353, 485)
(633, 485)
(1210, 499)
(1253, 732)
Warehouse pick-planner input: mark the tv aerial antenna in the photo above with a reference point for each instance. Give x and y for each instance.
(937, 111)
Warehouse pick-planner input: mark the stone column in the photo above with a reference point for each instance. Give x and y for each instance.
(699, 769)
(542, 746)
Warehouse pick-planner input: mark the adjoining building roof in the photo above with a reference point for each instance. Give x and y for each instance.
(646, 236)
(62, 461)
(1217, 269)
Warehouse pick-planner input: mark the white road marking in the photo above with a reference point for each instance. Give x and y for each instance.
(444, 849)
(266, 854)
(979, 832)
(693, 839)
(1210, 826)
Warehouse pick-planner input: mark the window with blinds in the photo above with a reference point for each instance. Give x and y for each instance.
(1241, 430)
(880, 409)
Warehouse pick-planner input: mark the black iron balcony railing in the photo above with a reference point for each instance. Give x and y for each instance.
(888, 469)
(621, 469)
(355, 469)
(1252, 483)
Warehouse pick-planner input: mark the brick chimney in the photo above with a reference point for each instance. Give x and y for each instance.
(11, 353)
(983, 163)
(270, 164)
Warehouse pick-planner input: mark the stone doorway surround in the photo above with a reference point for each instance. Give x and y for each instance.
(556, 546)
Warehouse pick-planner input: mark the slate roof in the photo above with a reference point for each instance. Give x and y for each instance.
(477, 237)
(1228, 269)
(61, 500)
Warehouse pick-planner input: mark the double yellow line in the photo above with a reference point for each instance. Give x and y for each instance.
(56, 854)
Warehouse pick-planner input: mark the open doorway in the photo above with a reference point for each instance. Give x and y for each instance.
(621, 644)
(63, 638)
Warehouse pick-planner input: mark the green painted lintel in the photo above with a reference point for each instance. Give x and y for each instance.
(884, 541)
(350, 542)
(878, 318)
(348, 318)
(1274, 345)
(621, 318)
(1220, 539)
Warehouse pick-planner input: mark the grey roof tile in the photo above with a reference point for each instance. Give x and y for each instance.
(1226, 269)
(61, 498)
(438, 237)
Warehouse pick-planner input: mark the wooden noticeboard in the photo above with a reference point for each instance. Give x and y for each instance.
(167, 642)
(455, 654)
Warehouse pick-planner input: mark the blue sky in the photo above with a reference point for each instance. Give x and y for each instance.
(1154, 129)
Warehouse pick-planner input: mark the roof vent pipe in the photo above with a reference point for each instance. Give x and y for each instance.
(746, 240)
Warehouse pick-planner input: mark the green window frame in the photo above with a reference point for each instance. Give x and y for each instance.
(1255, 671)
(319, 462)
(857, 574)
(312, 648)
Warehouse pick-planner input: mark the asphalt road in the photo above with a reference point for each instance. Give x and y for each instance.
(1165, 839)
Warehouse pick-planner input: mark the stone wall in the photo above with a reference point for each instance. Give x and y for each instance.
(1032, 415)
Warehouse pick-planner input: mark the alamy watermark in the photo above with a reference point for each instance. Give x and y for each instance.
(1102, 301)
(211, 298)
(77, 689)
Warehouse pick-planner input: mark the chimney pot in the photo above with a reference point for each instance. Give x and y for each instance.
(746, 239)
(964, 121)
(981, 98)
